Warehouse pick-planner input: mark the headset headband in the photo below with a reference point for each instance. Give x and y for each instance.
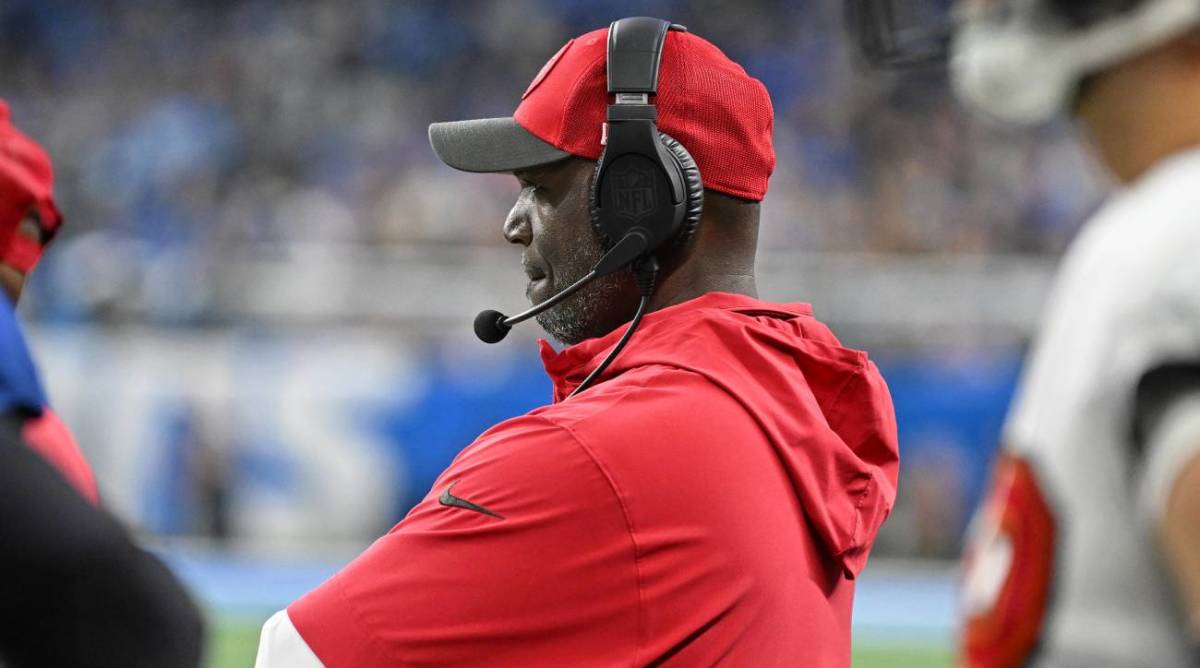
(635, 47)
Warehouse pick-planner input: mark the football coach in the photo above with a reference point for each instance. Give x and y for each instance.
(706, 496)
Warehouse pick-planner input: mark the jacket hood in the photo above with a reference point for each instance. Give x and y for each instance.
(824, 408)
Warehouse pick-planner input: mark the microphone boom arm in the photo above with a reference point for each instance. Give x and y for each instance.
(492, 326)
(549, 303)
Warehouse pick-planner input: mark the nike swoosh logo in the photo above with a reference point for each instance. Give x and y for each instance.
(448, 499)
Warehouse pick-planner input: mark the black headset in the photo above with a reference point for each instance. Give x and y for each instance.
(647, 194)
(646, 183)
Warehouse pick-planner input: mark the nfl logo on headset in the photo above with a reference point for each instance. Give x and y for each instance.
(635, 196)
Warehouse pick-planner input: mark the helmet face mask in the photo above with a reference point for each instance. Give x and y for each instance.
(906, 33)
(1016, 60)
(1084, 13)
(898, 34)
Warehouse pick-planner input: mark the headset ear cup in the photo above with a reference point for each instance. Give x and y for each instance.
(693, 186)
(693, 192)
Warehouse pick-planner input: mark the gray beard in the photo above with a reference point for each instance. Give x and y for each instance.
(576, 319)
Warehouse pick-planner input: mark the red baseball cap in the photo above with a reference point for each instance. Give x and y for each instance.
(26, 183)
(705, 101)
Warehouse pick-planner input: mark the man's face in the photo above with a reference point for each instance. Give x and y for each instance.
(552, 221)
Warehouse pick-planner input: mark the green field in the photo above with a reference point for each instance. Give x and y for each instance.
(882, 655)
(234, 641)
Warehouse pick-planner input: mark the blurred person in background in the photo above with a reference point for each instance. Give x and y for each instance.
(1087, 551)
(709, 497)
(77, 591)
(29, 220)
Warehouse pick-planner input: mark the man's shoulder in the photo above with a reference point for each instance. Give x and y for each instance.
(664, 428)
(1130, 272)
(531, 442)
(637, 404)
(651, 412)
(645, 400)
(1144, 237)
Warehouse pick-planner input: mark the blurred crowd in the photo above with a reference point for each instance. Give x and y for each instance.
(183, 129)
(187, 132)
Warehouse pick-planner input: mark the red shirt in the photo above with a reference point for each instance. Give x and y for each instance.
(711, 501)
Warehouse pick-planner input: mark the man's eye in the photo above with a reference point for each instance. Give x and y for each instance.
(539, 189)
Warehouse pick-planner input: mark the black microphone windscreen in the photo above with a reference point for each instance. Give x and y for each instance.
(490, 327)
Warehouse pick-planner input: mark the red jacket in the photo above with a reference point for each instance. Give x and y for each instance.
(711, 501)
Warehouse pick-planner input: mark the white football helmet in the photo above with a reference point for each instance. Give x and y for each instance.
(1017, 60)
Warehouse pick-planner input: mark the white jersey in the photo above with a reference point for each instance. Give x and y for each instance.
(1062, 565)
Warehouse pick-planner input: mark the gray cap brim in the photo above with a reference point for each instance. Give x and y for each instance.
(490, 145)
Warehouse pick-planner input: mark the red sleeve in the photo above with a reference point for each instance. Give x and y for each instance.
(49, 437)
(549, 577)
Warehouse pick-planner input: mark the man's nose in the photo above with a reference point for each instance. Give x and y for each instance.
(517, 228)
